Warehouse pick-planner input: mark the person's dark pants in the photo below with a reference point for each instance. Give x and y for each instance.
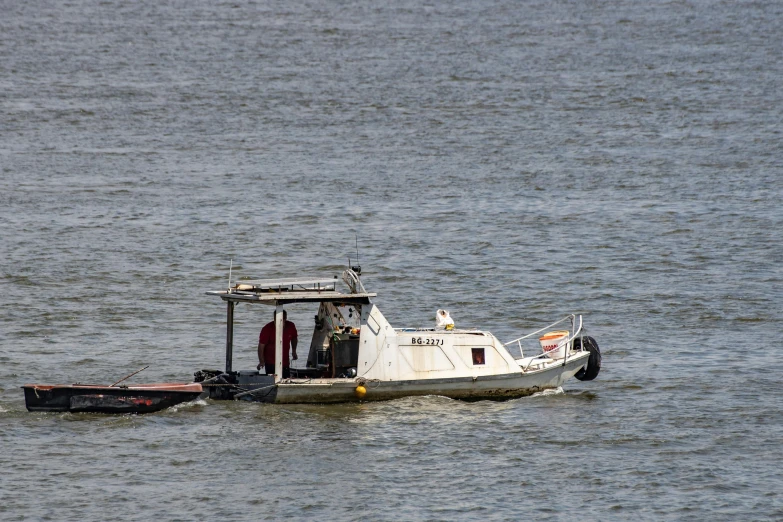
(270, 370)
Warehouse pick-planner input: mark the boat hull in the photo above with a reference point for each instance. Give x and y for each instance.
(145, 398)
(490, 387)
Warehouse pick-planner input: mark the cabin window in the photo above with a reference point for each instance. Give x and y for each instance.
(478, 355)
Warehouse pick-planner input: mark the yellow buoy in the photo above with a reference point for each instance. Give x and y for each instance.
(360, 391)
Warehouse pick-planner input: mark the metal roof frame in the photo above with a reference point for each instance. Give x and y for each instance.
(275, 298)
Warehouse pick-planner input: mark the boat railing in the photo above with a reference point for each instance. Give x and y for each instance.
(576, 331)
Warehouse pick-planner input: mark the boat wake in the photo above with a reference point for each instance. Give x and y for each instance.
(546, 393)
(187, 405)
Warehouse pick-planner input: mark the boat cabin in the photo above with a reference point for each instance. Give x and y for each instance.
(335, 342)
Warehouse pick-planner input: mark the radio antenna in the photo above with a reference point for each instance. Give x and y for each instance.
(357, 268)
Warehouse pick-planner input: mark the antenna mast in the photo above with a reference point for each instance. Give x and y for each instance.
(357, 268)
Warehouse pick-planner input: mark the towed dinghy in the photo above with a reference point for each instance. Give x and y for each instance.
(103, 398)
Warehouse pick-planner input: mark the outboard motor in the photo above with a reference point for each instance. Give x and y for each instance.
(220, 385)
(590, 371)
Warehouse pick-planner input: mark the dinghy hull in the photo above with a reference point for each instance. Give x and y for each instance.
(141, 398)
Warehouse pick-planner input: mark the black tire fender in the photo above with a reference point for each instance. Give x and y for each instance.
(593, 366)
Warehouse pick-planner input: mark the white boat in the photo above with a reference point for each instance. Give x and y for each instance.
(356, 355)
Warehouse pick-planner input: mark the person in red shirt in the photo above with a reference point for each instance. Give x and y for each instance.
(266, 346)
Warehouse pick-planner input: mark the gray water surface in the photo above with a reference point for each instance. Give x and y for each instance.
(511, 162)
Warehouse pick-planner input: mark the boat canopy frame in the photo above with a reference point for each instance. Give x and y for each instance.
(278, 293)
